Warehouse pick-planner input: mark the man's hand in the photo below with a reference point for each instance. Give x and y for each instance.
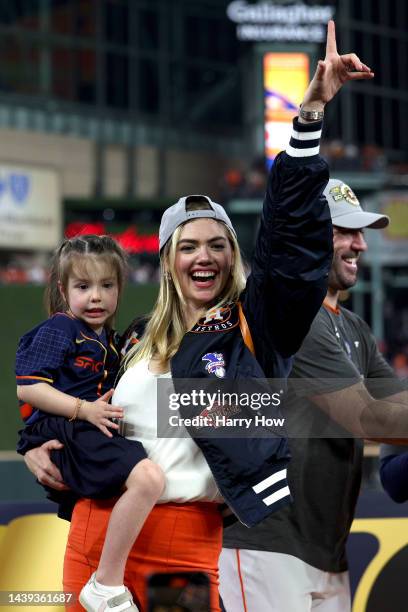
(99, 412)
(39, 463)
(332, 72)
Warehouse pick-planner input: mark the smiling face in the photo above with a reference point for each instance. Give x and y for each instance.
(92, 292)
(203, 262)
(348, 244)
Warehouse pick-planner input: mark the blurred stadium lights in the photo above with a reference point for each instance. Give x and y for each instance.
(130, 239)
(132, 102)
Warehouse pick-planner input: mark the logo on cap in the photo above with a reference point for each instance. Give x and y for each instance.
(343, 192)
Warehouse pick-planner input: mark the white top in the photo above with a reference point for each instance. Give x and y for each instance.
(188, 477)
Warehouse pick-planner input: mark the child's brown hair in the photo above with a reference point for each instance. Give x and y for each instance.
(71, 252)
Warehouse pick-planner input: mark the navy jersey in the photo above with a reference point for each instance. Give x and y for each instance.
(67, 354)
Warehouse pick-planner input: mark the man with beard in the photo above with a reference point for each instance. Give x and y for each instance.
(295, 560)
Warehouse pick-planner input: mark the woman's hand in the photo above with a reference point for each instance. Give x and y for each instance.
(332, 72)
(39, 463)
(100, 411)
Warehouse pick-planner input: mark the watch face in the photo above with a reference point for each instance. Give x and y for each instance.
(311, 115)
(179, 592)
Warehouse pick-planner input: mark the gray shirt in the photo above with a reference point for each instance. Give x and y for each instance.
(325, 473)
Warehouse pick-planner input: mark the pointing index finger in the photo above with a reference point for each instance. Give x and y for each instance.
(331, 46)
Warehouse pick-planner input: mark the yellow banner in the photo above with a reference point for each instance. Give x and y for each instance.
(286, 76)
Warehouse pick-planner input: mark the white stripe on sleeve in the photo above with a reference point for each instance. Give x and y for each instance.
(306, 135)
(272, 499)
(301, 152)
(271, 480)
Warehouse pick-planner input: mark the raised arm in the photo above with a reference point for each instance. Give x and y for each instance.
(331, 74)
(294, 245)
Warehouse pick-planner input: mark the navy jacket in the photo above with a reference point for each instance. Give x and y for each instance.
(283, 293)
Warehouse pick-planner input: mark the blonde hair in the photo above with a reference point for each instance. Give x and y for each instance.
(79, 251)
(166, 327)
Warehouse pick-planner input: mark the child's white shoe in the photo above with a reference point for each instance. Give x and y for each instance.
(93, 600)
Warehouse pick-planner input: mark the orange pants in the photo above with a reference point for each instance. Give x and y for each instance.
(174, 538)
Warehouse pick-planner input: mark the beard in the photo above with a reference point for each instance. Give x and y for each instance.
(340, 278)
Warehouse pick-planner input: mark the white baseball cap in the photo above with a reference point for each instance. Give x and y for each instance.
(346, 211)
(177, 214)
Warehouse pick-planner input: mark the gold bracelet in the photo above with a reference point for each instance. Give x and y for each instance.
(78, 404)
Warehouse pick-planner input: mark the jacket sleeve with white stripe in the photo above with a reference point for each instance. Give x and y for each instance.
(293, 251)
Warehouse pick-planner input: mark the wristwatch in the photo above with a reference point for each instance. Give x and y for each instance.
(313, 115)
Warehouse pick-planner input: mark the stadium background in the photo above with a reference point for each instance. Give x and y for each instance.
(131, 103)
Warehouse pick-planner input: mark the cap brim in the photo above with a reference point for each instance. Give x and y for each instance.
(360, 220)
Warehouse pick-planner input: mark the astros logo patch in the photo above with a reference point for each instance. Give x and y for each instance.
(217, 319)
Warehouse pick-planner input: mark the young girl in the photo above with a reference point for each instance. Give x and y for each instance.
(65, 368)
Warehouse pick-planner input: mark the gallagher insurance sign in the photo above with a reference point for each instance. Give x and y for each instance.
(280, 22)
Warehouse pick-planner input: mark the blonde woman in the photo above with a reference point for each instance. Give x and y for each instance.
(208, 323)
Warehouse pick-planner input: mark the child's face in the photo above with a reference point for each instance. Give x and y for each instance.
(92, 292)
